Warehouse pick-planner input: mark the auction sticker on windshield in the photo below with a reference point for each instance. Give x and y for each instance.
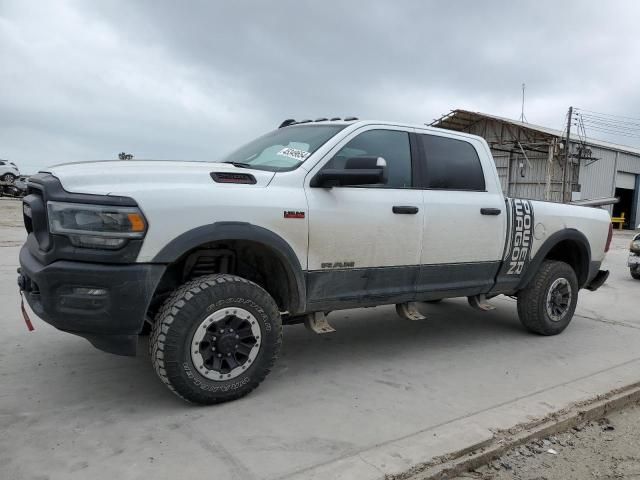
(294, 153)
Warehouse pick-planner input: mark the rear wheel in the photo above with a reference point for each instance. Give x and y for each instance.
(546, 306)
(635, 272)
(216, 338)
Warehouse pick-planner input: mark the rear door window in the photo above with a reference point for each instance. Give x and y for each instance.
(451, 164)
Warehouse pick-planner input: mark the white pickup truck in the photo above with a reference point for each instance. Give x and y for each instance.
(310, 218)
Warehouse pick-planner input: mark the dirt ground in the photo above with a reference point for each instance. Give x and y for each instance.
(10, 212)
(605, 449)
(11, 223)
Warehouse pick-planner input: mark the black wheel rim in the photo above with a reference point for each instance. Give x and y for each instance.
(558, 299)
(225, 343)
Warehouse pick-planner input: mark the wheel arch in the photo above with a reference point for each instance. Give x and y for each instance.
(570, 246)
(269, 243)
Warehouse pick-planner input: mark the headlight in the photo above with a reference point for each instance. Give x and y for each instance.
(635, 245)
(96, 226)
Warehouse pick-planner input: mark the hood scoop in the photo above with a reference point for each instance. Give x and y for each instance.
(231, 177)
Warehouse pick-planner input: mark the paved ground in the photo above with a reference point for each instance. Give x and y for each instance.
(376, 397)
(607, 449)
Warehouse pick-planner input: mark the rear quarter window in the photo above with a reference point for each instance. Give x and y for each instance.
(451, 164)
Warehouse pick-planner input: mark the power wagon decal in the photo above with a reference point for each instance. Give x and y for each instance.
(518, 251)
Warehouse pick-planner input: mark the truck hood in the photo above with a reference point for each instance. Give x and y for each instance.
(122, 176)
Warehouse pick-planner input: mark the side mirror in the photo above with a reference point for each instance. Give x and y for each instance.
(356, 171)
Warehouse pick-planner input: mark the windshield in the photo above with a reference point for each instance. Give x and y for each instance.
(283, 149)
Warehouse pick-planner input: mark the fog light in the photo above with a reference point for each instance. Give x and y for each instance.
(91, 241)
(89, 291)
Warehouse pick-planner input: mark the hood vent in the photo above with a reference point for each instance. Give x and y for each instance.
(226, 177)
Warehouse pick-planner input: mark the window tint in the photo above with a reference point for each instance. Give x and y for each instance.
(391, 145)
(452, 164)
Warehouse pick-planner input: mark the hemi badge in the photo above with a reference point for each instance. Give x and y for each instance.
(293, 214)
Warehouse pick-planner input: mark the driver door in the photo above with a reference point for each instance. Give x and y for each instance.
(365, 241)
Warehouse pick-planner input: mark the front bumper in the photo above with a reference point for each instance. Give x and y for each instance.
(634, 260)
(106, 304)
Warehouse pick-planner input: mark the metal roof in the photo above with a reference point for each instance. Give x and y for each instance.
(461, 119)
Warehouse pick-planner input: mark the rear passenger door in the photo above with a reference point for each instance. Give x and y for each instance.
(464, 222)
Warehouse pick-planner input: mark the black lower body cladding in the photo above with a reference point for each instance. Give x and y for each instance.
(104, 303)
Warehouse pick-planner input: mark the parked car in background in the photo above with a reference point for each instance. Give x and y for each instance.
(8, 171)
(15, 189)
(634, 257)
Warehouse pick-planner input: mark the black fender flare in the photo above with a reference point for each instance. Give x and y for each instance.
(219, 231)
(567, 234)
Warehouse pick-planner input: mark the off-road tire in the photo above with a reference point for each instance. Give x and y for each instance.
(635, 272)
(532, 300)
(9, 178)
(183, 312)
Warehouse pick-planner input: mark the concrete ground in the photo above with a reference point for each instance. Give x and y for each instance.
(377, 397)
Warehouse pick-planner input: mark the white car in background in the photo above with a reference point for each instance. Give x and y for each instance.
(8, 171)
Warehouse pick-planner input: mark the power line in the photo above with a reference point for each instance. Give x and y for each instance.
(611, 127)
(609, 122)
(615, 132)
(608, 114)
(614, 126)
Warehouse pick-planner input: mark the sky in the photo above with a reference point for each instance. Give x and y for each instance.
(84, 80)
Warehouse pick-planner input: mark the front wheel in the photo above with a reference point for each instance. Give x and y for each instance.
(547, 304)
(9, 178)
(216, 338)
(635, 272)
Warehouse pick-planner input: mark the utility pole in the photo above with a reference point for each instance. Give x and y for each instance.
(552, 150)
(566, 154)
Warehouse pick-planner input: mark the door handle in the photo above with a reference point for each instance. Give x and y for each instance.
(490, 211)
(405, 209)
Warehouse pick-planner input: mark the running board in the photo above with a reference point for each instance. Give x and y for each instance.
(409, 311)
(480, 302)
(317, 323)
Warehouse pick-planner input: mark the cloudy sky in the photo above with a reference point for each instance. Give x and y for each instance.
(191, 80)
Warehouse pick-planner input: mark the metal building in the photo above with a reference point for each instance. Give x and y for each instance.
(533, 163)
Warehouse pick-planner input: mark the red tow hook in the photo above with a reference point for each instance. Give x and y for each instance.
(25, 315)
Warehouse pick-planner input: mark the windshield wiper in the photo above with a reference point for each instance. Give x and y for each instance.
(239, 164)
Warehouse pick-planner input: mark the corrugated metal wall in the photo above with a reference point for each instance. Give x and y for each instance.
(597, 176)
(518, 177)
(528, 179)
(628, 163)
